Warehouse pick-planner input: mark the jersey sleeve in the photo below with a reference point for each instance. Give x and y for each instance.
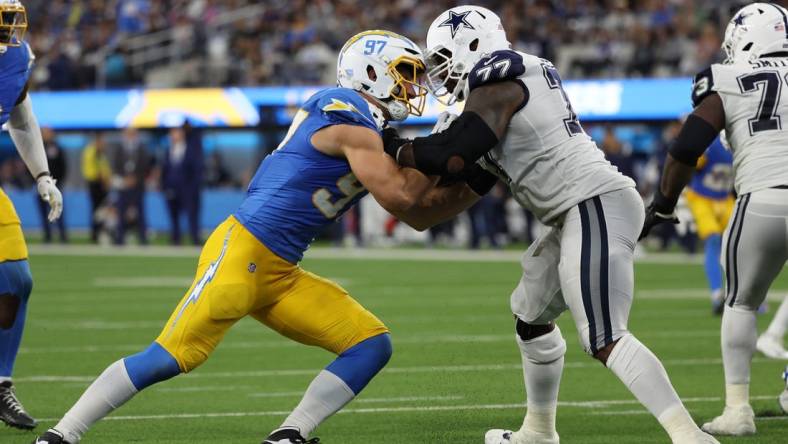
(342, 108)
(496, 67)
(702, 86)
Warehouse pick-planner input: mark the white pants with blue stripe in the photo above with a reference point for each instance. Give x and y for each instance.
(755, 246)
(586, 266)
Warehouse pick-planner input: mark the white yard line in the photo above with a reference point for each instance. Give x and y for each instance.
(411, 409)
(384, 254)
(282, 343)
(588, 363)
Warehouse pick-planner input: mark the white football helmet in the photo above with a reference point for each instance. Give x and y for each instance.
(456, 41)
(13, 23)
(755, 30)
(388, 67)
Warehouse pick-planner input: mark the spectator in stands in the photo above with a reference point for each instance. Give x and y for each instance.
(181, 180)
(216, 174)
(617, 153)
(130, 167)
(57, 169)
(97, 174)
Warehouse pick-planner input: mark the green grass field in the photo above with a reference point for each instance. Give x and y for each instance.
(455, 372)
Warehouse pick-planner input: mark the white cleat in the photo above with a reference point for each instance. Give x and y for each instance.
(734, 421)
(523, 436)
(699, 437)
(771, 347)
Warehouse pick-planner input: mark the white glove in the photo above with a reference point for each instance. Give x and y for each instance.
(444, 121)
(49, 193)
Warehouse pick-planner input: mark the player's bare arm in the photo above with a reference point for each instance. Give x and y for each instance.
(441, 204)
(700, 129)
(396, 189)
(479, 128)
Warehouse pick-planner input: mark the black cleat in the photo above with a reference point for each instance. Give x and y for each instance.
(50, 437)
(289, 436)
(11, 411)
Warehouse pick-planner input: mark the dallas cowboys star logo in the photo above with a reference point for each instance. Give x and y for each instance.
(740, 19)
(455, 21)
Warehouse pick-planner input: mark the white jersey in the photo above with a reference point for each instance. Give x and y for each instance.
(546, 158)
(755, 98)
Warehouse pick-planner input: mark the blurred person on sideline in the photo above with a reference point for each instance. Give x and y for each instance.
(57, 168)
(181, 180)
(130, 167)
(97, 174)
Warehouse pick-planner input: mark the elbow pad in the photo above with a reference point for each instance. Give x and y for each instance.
(449, 152)
(694, 138)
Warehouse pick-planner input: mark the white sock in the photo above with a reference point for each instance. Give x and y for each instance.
(108, 392)
(543, 363)
(326, 395)
(643, 374)
(5, 379)
(780, 322)
(739, 335)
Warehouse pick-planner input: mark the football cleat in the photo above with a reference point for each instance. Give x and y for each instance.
(771, 347)
(11, 410)
(289, 436)
(699, 437)
(734, 421)
(51, 436)
(523, 436)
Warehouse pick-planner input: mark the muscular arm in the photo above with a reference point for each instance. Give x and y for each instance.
(441, 204)
(698, 132)
(398, 190)
(478, 130)
(692, 141)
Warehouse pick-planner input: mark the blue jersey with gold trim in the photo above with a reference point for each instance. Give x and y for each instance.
(714, 176)
(15, 66)
(297, 190)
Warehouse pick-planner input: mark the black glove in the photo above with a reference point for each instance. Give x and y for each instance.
(392, 141)
(661, 210)
(480, 180)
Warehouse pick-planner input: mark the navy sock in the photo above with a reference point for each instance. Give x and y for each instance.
(153, 365)
(360, 363)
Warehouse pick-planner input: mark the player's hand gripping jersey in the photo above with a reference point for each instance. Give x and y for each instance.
(755, 97)
(298, 191)
(550, 163)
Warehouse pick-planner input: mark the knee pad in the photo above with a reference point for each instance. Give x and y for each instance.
(544, 349)
(153, 365)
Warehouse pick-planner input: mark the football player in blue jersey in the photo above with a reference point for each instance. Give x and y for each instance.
(330, 158)
(16, 61)
(710, 199)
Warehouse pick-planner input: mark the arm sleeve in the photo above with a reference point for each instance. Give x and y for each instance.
(695, 136)
(26, 134)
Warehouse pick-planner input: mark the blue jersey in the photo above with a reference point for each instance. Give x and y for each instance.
(15, 66)
(297, 190)
(714, 177)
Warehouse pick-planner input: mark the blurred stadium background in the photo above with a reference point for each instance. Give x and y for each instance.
(237, 70)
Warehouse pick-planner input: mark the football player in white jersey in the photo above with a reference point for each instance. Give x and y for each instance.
(746, 96)
(519, 125)
(770, 343)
